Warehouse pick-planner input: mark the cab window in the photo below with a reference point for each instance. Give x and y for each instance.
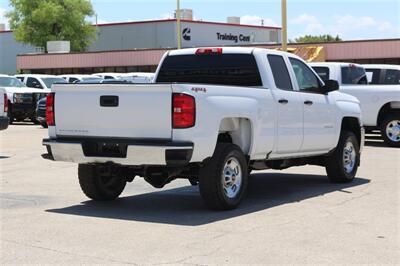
(280, 72)
(392, 76)
(353, 75)
(373, 75)
(306, 79)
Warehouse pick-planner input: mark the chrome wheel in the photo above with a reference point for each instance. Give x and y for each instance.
(231, 177)
(349, 157)
(393, 130)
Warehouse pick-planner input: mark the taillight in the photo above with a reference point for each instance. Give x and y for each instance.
(202, 51)
(5, 103)
(50, 118)
(183, 110)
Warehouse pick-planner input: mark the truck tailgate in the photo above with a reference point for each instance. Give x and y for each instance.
(113, 110)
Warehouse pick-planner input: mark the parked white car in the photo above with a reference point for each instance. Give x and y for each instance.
(213, 115)
(383, 74)
(380, 104)
(21, 99)
(72, 78)
(3, 109)
(138, 77)
(110, 75)
(39, 81)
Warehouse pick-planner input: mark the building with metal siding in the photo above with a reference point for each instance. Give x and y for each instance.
(154, 34)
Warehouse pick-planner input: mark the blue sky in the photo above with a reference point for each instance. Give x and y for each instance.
(351, 19)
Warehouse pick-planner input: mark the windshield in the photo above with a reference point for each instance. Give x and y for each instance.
(11, 82)
(49, 81)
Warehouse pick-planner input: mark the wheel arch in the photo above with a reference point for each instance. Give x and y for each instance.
(387, 108)
(236, 130)
(352, 124)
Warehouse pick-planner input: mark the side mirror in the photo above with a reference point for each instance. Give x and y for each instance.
(331, 85)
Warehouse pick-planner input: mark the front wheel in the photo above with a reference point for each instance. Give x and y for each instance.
(390, 130)
(223, 178)
(99, 184)
(341, 166)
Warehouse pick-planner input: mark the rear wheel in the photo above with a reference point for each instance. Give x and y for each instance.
(390, 129)
(223, 178)
(341, 166)
(99, 184)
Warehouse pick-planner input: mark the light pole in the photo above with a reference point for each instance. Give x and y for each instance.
(284, 26)
(178, 24)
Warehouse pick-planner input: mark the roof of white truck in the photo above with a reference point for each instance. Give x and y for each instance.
(334, 64)
(225, 50)
(382, 66)
(36, 75)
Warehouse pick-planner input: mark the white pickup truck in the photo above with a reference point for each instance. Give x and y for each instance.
(3, 109)
(380, 104)
(21, 99)
(213, 115)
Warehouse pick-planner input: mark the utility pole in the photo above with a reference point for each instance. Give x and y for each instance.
(178, 24)
(284, 26)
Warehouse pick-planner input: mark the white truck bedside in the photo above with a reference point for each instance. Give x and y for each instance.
(212, 116)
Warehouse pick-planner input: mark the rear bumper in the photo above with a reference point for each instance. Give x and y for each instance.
(136, 153)
(4, 121)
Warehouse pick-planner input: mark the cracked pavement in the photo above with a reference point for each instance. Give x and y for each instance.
(289, 217)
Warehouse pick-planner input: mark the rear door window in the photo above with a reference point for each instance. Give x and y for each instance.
(280, 72)
(221, 69)
(392, 76)
(354, 75)
(33, 83)
(323, 72)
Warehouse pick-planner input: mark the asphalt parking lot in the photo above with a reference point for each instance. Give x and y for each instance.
(291, 217)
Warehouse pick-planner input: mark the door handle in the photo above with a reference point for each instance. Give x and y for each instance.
(308, 102)
(109, 101)
(283, 101)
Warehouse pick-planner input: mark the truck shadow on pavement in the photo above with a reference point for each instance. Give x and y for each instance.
(184, 206)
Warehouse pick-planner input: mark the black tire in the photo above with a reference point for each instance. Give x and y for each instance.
(10, 114)
(34, 121)
(99, 186)
(211, 176)
(388, 138)
(335, 165)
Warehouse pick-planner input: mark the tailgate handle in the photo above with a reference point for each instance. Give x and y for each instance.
(109, 101)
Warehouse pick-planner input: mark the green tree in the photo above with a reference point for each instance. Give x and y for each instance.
(37, 21)
(318, 38)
